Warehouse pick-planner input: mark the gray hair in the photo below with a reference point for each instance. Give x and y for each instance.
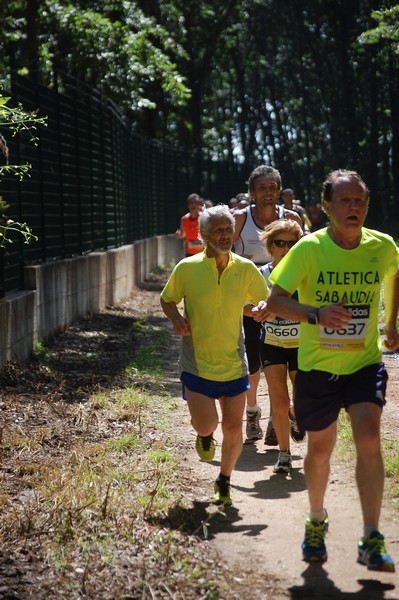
(334, 176)
(215, 212)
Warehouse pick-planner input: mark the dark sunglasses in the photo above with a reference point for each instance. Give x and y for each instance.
(284, 243)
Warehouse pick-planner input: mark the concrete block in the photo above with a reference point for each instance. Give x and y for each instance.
(18, 327)
(57, 294)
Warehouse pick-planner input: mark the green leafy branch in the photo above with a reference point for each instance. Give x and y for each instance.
(20, 228)
(19, 171)
(386, 32)
(15, 119)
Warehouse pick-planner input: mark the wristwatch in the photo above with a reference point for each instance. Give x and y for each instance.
(313, 316)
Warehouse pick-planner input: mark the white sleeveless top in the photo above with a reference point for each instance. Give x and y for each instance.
(249, 245)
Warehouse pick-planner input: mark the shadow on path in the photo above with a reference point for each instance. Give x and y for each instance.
(317, 586)
(272, 485)
(198, 520)
(275, 485)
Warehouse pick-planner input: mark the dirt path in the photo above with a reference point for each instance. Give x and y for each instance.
(264, 529)
(268, 524)
(258, 538)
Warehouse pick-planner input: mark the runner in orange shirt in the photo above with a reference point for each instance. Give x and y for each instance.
(189, 225)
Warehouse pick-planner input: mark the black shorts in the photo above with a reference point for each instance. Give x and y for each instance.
(319, 396)
(276, 355)
(252, 336)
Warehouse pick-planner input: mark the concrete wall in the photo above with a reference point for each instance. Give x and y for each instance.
(57, 294)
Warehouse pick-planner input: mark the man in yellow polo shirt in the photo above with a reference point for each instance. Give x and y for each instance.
(215, 285)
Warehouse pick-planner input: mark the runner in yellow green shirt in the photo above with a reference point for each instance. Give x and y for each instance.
(338, 272)
(214, 286)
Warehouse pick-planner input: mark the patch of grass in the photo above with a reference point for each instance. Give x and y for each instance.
(89, 491)
(121, 404)
(163, 271)
(110, 480)
(146, 358)
(41, 350)
(147, 327)
(128, 404)
(125, 443)
(161, 456)
(28, 443)
(121, 475)
(390, 451)
(391, 456)
(99, 400)
(43, 354)
(345, 445)
(146, 361)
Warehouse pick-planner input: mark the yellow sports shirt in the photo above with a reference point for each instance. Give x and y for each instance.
(215, 350)
(323, 273)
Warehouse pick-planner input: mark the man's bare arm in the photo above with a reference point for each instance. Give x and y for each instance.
(181, 326)
(180, 232)
(334, 316)
(239, 218)
(391, 299)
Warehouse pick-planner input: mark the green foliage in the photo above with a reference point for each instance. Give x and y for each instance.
(11, 227)
(161, 456)
(387, 30)
(41, 350)
(15, 119)
(308, 89)
(124, 443)
(114, 47)
(145, 361)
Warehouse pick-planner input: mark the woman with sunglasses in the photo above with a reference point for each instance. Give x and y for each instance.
(279, 347)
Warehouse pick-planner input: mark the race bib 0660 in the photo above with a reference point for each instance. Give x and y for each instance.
(282, 333)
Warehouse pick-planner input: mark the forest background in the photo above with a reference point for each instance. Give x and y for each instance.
(87, 476)
(304, 86)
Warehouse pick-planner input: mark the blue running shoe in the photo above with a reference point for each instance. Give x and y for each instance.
(313, 546)
(372, 553)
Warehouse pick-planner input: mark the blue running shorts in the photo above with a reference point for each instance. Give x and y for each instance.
(213, 389)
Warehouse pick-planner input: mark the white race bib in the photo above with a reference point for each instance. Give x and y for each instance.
(282, 333)
(350, 337)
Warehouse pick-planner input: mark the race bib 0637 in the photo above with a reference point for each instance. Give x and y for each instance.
(350, 337)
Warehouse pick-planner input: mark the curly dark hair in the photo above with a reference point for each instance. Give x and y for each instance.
(263, 170)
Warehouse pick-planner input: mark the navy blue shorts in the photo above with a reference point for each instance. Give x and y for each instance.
(213, 389)
(319, 396)
(275, 355)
